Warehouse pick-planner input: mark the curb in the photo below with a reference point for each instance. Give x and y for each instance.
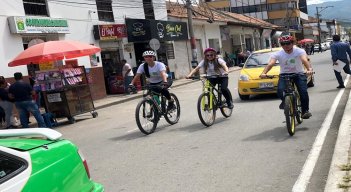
(341, 152)
(139, 95)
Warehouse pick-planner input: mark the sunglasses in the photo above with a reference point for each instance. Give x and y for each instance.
(148, 56)
(209, 55)
(285, 43)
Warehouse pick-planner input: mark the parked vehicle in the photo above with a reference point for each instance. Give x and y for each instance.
(316, 47)
(38, 159)
(250, 83)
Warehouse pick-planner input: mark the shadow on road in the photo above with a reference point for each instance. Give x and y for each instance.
(199, 126)
(278, 134)
(137, 134)
(258, 98)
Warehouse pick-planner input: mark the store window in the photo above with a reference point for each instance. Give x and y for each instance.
(148, 9)
(35, 7)
(104, 8)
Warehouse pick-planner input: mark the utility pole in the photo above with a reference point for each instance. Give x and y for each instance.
(319, 23)
(288, 14)
(191, 32)
(319, 29)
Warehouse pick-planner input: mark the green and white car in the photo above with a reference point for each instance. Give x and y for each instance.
(39, 160)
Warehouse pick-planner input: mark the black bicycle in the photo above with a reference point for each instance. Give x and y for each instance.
(152, 107)
(292, 102)
(210, 100)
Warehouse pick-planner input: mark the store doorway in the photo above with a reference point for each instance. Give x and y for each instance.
(111, 64)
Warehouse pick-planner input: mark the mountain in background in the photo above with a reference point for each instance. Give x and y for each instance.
(340, 11)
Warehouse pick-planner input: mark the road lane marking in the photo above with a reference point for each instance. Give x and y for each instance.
(307, 170)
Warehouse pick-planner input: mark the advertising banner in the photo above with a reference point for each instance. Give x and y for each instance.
(110, 32)
(144, 30)
(23, 24)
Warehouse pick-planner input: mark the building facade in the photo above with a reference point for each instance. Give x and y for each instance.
(288, 14)
(99, 22)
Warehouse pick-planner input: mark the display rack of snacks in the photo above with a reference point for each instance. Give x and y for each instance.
(74, 76)
(66, 92)
(49, 80)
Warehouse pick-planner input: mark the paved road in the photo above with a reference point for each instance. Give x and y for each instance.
(251, 151)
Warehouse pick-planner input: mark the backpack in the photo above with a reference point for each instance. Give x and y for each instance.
(146, 70)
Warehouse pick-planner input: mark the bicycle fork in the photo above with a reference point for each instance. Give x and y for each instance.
(209, 103)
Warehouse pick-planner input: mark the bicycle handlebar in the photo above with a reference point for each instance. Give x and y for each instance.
(207, 77)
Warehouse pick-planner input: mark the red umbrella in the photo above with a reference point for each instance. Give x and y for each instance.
(306, 41)
(53, 51)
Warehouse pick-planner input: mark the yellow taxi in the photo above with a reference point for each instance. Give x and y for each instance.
(250, 83)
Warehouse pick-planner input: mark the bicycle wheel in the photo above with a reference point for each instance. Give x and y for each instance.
(146, 116)
(226, 112)
(206, 110)
(172, 116)
(289, 115)
(298, 112)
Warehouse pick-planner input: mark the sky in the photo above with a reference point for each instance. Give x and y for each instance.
(309, 2)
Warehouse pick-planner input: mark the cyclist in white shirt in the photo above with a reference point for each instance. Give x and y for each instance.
(155, 71)
(291, 60)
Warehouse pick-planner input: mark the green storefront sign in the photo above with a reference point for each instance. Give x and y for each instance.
(46, 22)
(22, 24)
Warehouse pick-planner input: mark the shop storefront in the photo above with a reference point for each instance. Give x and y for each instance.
(110, 41)
(141, 31)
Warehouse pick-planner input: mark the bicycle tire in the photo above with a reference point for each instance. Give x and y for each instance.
(226, 112)
(174, 112)
(289, 115)
(298, 112)
(146, 110)
(203, 105)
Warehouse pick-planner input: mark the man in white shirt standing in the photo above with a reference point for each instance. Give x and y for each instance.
(127, 75)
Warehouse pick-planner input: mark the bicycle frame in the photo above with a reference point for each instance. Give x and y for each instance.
(209, 88)
(151, 95)
(290, 90)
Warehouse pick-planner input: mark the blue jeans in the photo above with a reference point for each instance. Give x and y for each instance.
(24, 107)
(127, 80)
(7, 106)
(346, 70)
(301, 84)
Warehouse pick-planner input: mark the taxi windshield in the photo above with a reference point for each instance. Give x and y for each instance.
(259, 60)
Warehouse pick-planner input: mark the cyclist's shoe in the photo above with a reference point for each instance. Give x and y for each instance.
(230, 105)
(306, 115)
(170, 105)
(281, 106)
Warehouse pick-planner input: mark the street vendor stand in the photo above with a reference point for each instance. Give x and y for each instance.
(66, 90)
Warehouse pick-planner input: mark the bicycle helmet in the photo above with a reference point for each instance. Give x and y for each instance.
(209, 49)
(286, 37)
(149, 52)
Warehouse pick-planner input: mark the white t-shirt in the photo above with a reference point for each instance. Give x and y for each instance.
(125, 68)
(290, 63)
(155, 71)
(211, 70)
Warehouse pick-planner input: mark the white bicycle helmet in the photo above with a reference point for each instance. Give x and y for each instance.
(146, 53)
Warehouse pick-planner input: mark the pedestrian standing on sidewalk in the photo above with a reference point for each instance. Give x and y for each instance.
(22, 94)
(339, 51)
(5, 102)
(127, 75)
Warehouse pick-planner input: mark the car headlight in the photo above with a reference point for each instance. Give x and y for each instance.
(244, 78)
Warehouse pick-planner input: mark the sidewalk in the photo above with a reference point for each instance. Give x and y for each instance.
(339, 172)
(120, 98)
